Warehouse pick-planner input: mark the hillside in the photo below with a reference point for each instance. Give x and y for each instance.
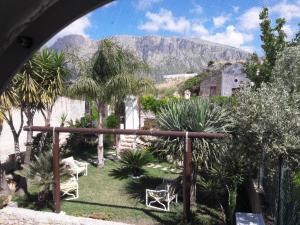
(165, 55)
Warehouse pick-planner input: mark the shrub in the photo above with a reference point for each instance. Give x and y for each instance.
(40, 171)
(76, 143)
(112, 121)
(134, 160)
(41, 142)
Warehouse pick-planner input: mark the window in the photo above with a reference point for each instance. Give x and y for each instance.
(213, 91)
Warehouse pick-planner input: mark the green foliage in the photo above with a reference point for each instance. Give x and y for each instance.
(47, 144)
(153, 104)
(112, 121)
(191, 115)
(287, 69)
(40, 172)
(267, 124)
(273, 42)
(134, 160)
(224, 101)
(190, 83)
(77, 143)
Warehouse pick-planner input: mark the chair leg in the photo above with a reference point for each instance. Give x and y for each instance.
(176, 198)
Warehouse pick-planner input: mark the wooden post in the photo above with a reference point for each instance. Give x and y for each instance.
(187, 179)
(56, 175)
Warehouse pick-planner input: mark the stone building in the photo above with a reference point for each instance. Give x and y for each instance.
(225, 81)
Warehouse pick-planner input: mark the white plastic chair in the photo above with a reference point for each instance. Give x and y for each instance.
(75, 167)
(163, 195)
(71, 188)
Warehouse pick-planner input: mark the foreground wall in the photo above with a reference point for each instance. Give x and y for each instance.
(19, 216)
(73, 108)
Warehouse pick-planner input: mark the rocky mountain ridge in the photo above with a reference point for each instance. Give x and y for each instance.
(165, 55)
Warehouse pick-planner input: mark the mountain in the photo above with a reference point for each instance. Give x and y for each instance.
(166, 55)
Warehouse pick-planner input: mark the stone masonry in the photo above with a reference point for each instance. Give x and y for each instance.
(20, 216)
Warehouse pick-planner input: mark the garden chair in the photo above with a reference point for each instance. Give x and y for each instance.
(162, 196)
(71, 188)
(75, 167)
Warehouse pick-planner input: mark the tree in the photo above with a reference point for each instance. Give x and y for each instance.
(40, 171)
(9, 100)
(192, 115)
(287, 69)
(39, 83)
(107, 78)
(273, 42)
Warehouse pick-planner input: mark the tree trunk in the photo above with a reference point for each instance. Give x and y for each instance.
(16, 135)
(29, 114)
(139, 111)
(17, 148)
(100, 147)
(48, 117)
(194, 185)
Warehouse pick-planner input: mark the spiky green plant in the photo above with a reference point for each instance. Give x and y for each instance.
(40, 173)
(135, 159)
(191, 115)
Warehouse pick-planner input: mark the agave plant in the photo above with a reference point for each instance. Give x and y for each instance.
(40, 172)
(135, 159)
(198, 115)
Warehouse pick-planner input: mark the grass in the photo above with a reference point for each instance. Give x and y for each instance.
(110, 194)
(117, 197)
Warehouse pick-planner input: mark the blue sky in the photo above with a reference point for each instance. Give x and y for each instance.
(230, 22)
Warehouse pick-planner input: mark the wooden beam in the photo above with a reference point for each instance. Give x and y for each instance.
(187, 179)
(56, 172)
(159, 133)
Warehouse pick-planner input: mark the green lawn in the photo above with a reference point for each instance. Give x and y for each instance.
(110, 194)
(119, 197)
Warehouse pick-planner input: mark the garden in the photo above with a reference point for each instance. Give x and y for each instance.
(261, 123)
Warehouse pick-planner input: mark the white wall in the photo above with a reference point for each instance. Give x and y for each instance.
(131, 113)
(73, 108)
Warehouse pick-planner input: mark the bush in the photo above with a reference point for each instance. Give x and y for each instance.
(76, 143)
(134, 160)
(112, 121)
(44, 139)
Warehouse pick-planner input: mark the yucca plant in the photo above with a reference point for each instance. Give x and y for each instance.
(135, 159)
(195, 115)
(40, 172)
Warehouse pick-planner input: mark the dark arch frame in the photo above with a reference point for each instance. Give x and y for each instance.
(30, 24)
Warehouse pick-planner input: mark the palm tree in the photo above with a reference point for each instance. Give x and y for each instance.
(9, 99)
(40, 171)
(39, 83)
(192, 115)
(106, 79)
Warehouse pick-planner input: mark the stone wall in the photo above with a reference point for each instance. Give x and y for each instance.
(73, 108)
(20, 216)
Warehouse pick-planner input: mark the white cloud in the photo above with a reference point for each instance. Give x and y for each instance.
(199, 29)
(198, 9)
(77, 27)
(236, 9)
(248, 48)
(164, 20)
(287, 10)
(289, 31)
(250, 19)
(145, 4)
(230, 37)
(111, 4)
(220, 20)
